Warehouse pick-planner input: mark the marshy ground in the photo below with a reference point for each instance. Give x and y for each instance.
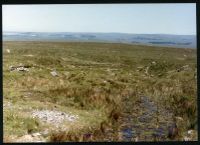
(73, 91)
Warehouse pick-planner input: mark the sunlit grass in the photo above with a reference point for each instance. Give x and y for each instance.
(96, 76)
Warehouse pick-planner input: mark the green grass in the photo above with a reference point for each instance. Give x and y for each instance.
(20, 125)
(96, 76)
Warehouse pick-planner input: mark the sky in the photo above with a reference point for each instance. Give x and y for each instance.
(173, 18)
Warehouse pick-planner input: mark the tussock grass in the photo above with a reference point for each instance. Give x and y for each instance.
(98, 76)
(19, 125)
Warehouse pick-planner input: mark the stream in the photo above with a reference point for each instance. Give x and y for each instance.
(142, 122)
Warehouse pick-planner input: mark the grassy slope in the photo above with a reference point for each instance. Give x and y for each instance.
(93, 77)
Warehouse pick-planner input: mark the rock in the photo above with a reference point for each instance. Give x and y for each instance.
(140, 67)
(25, 138)
(179, 118)
(20, 65)
(11, 68)
(22, 69)
(146, 71)
(29, 55)
(36, 134)
(45, 133)
(153, 62)
(186, 67)
(7, 105)
(136, 139)
(191, 132)
(54, 73)
(8, 50)
(186, 138)
(18, 68)
(30, 138)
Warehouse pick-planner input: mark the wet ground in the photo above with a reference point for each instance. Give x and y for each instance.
(142, 121)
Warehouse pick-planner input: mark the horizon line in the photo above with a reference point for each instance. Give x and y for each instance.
(98, 32)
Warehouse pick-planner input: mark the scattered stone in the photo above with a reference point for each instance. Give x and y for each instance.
(186, 67)
(21, 67)
(191, 135)
(55, 117)
(7, 105)
(54, 73)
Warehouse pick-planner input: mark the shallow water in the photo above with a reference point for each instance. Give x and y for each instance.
(142, 122)
(147, 125)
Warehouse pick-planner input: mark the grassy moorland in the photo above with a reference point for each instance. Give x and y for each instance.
(95, 81)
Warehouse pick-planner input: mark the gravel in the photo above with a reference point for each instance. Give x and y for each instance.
(54, 117)
(7, 105)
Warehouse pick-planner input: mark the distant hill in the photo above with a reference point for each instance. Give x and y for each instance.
(182, 41)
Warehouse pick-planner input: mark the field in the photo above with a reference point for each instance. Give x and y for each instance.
(113, 92)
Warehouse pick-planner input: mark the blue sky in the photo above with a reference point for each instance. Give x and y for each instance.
(123, 18)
